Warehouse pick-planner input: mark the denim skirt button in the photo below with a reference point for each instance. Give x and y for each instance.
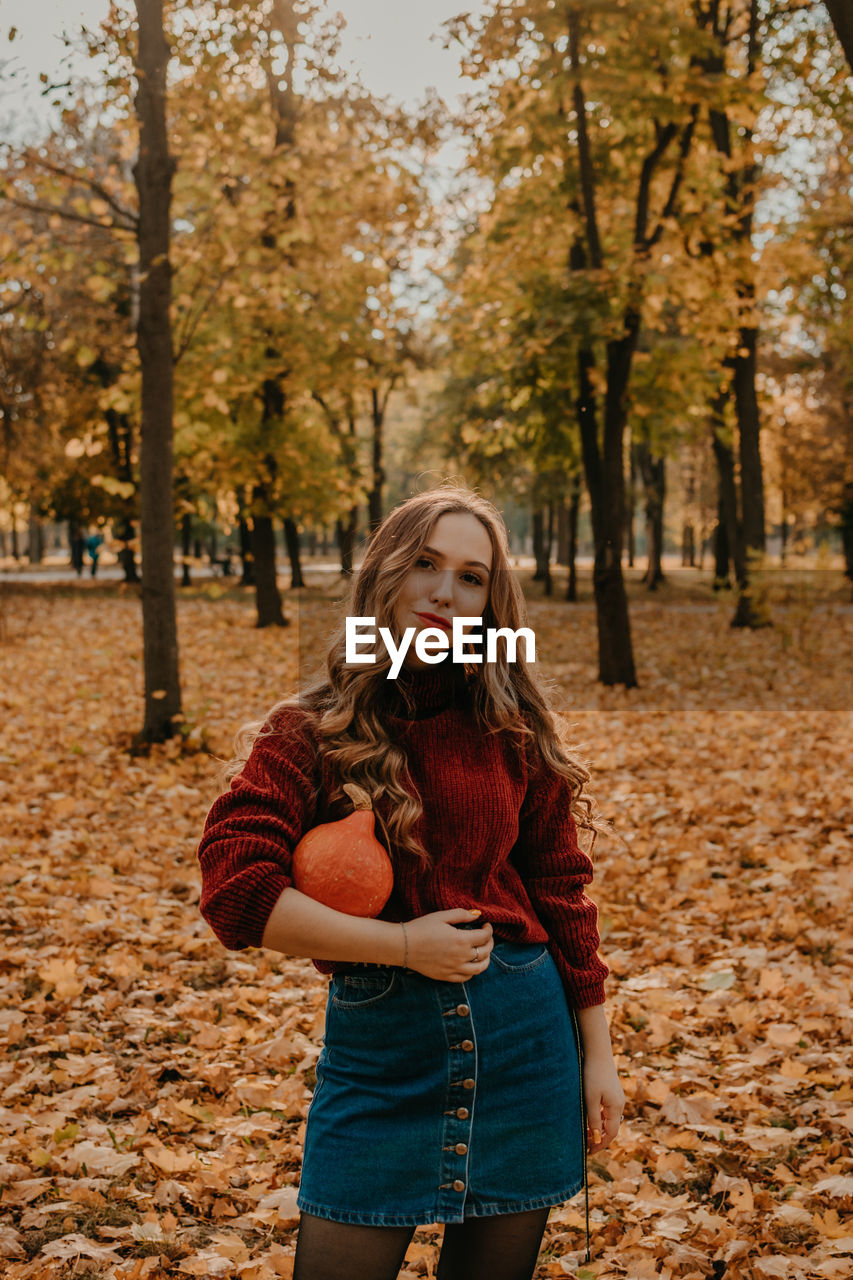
(388, 1082)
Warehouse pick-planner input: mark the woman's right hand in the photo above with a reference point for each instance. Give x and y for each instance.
(439, 950)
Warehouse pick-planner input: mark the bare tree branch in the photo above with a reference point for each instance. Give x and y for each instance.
(664, 138)
(584, 154)
(74, 175)
(54, 209)
(672, 199)
(194, 317)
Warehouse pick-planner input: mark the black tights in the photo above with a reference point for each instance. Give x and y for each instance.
(503, 1247)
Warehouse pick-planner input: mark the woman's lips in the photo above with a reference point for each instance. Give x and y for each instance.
(434, 620)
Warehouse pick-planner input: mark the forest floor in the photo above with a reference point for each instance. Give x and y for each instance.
(153, 1087)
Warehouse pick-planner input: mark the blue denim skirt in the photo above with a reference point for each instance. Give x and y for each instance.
(440, 1101)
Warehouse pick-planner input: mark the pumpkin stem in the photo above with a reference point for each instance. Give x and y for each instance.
(358, 795)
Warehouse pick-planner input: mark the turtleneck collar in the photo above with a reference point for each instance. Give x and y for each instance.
(419, 692)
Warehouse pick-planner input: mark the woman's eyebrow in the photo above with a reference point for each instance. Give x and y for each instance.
(438, 555)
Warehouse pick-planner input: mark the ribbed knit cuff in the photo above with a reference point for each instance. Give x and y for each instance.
(258, 908)
(239, 919)
(583, 988)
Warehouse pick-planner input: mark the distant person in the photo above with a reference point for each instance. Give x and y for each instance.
(94, 542)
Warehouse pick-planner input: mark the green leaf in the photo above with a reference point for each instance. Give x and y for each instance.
(67, 1134)
(718, 981)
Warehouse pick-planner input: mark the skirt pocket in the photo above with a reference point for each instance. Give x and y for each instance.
(519, 957)
(356, 990)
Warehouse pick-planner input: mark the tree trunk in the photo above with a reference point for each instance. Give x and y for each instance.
(728, 506)
(153, 174)
(374, 497)
(605, 471)
(728, 547)
(615, 650)
(783, 539)
(562, 551)
(538, 544)
(291, 538)
(654, 517)
(345, 532)
(282, 25)
(186, 548)
(631, 505)
(604, 468)
(749, 431)
(841, 13)
(547, 546)
(267, 597)
(688, 545)
(783, 523)
(603, 480)
(572, 539)
(126, 557)
(75, 546)
(846, 512)
(688, 532)
(35, 541)
(741, 179)
(722, 554)
(654, 484)
(746, 614)
(247, 559)
(120, 434)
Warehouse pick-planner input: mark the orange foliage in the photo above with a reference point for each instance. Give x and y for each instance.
(153, 1087)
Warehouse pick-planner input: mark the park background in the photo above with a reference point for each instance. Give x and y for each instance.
(249, 302)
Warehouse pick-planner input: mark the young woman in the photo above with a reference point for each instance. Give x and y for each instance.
(449, 1086)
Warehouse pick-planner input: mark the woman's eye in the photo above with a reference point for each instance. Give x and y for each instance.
(471, 578)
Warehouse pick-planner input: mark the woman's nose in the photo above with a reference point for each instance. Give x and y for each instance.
(442, 589)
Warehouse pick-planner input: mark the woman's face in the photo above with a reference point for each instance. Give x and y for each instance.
(449, 579)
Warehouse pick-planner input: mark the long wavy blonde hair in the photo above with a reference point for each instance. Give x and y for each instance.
(348, 706)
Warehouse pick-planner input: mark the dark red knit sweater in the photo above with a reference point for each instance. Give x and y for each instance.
(499, 832)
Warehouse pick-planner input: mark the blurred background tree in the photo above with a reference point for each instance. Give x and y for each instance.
(630, 296)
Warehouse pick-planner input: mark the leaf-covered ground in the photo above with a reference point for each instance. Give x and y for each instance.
(153, 1087)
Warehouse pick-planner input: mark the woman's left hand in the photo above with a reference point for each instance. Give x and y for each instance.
(604, 1099)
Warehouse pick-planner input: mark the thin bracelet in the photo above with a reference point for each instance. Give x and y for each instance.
(406, 946)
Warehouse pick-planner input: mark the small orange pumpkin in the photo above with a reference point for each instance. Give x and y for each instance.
(342, 864)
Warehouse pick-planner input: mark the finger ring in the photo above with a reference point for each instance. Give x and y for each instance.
(476, 955)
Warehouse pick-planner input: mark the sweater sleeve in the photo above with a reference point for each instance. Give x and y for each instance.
(554, 869)
(252, 829)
